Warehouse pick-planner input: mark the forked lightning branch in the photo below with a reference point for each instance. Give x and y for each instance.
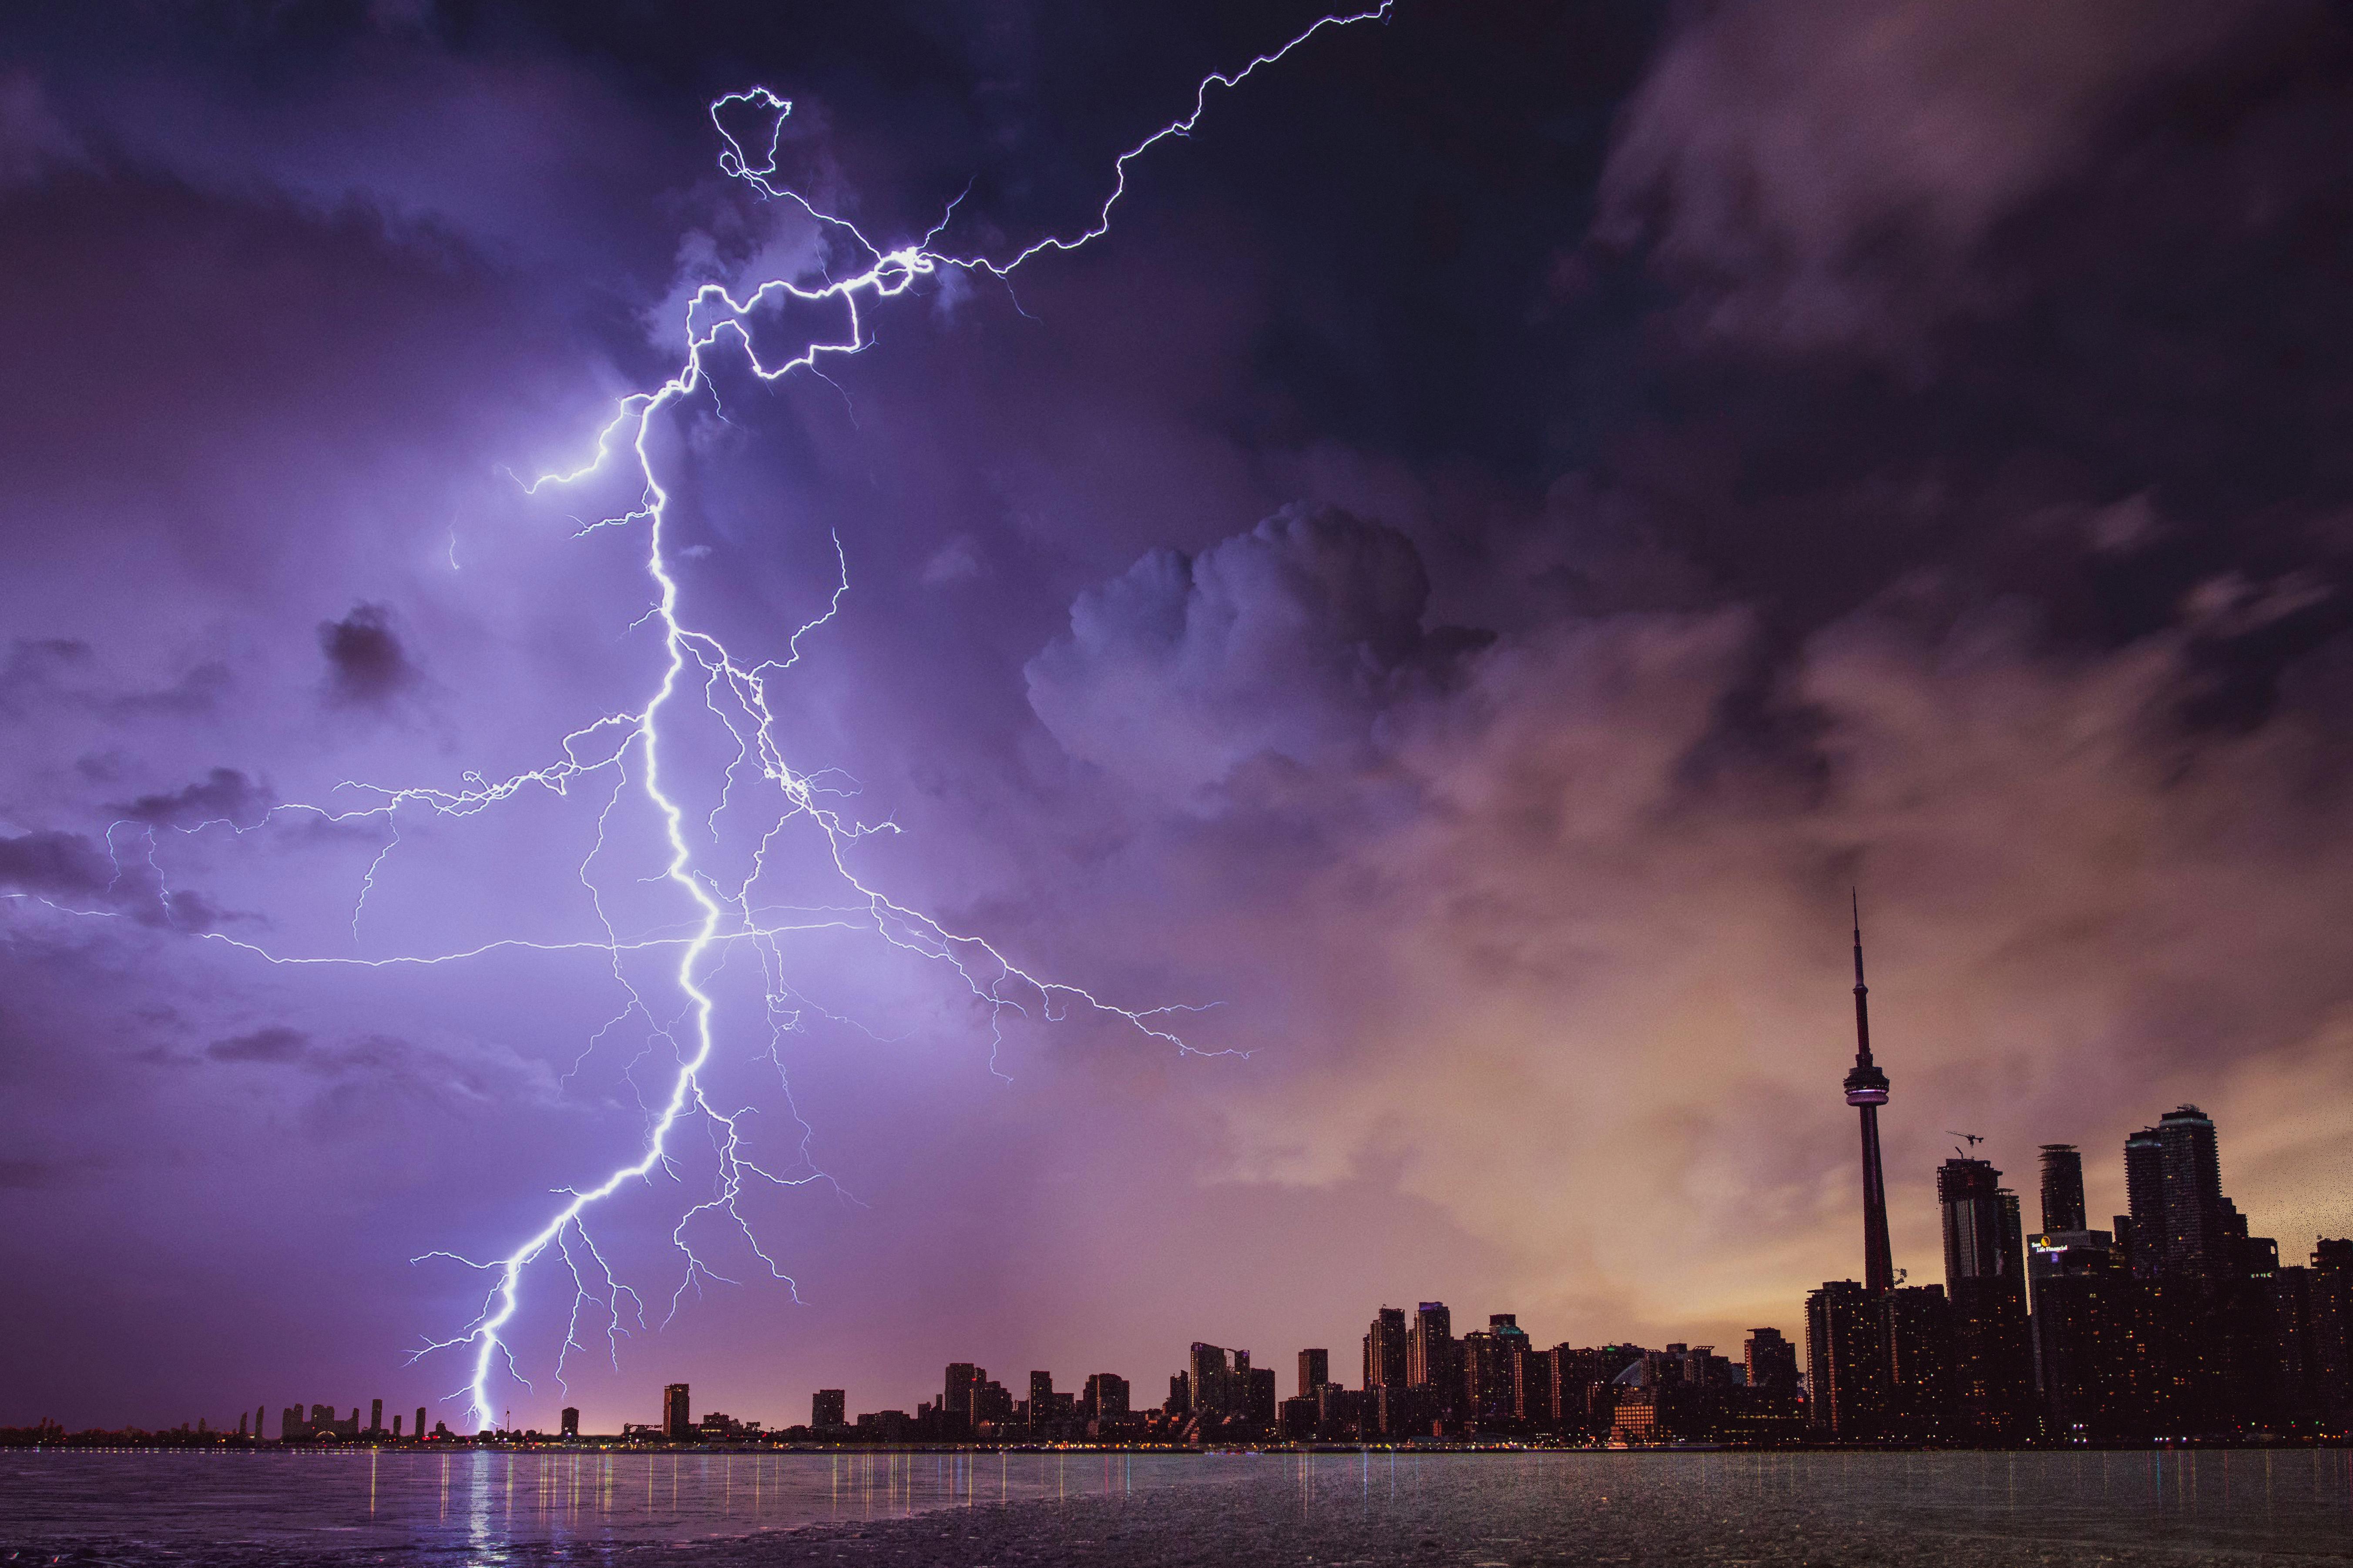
(638, 752)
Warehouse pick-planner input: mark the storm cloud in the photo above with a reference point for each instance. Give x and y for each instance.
(1524, 511)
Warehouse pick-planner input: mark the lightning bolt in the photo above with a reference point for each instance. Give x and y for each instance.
(628, 747)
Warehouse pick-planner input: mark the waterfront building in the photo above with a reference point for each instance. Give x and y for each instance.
(1845, 1363)
(1385, 1349)
(1985, 1276)
(1429, 1353)
(678, 1425)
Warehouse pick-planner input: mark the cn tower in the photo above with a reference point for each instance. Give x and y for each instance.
(1866, 1090)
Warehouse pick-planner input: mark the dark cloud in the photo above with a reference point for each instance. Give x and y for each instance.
(1289, 641)
(367, 664)
(225, 794)
(275, 1045)
(1894, 444)
(64, 864)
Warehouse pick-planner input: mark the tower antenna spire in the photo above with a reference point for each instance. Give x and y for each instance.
(1866, 1090)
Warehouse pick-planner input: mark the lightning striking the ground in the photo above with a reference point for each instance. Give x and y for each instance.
(633, 751)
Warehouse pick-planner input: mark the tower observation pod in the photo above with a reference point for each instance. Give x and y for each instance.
(1866, 1090)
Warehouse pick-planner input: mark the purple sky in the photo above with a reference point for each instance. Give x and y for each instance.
(1525, 508)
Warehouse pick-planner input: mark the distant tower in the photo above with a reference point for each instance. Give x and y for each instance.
(677, 1423)
(420, 1423)
(1866, 1090)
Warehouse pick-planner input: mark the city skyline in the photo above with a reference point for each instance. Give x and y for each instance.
(1322, 720)
(2169, 1164)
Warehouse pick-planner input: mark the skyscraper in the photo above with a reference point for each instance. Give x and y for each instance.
(677, 1425)
(955, 1394)
(1771, 1361)
(1428, 1345)
(1984, 1275)
(1866, 1090)
(1385, 1349)
(2063, 1188)
(2201, 1224)
(1041, 1397)
(1314, 1371)
(1106, 1397)
(570, 1420)
(2145, 1192)
(1845, 1376)
(376, 1415)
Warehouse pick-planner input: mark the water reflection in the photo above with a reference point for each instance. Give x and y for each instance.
(2284, 1500)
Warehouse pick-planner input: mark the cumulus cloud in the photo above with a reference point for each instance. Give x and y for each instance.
(65, 864)
(225, 794)
(1286, 643)
(367, 664)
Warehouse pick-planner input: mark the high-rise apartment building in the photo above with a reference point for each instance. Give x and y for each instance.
(963, 1379)
(677, 1425)
(829, 1408)
(1385, 1349)
(1769, 1359)
(420, 1424)
(2201, 1224)
(1845, 1372)
(1491, 1360)
(2145, 1194)
(568, 1421)
(1105, 1398)
(2063, 1188)
(1429, 1354)
(376, 1415)
(1314, 1371)
(1041, 1397)
(1985, 1276)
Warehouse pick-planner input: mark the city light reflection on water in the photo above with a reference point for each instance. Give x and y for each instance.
(485, 1503)
(484, 1499)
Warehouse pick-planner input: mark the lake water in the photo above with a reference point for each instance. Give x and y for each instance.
(495, 1509)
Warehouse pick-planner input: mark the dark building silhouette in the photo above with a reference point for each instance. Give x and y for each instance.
(829, 1408)
(376, 1415)
(568, 1420)
(2145, 1238)
(1769, 1359)
(1845, 1366)
(1917, 1346)
(1866, 1090)
(1985, 1277)
(1490, 1359)
(1385, 1349)
(2063, 1188)
(1042, 1398)
(2200, 1225)
(420, 1424)
(1314, 1371)
(1429, 1358)
(677, 1425)
(1105, 1398)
